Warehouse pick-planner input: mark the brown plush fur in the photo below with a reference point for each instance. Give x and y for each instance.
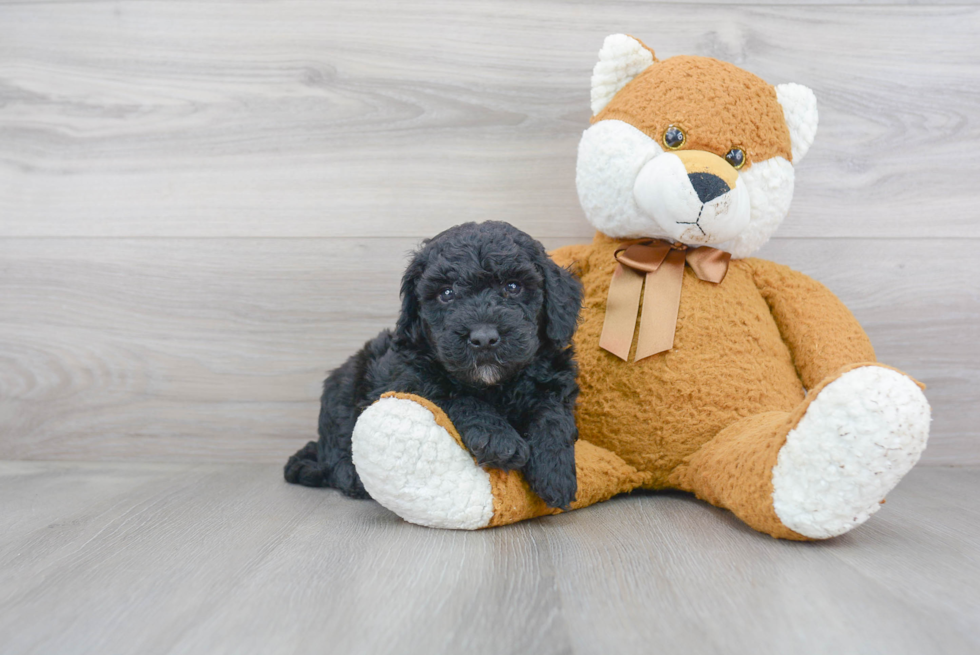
(673, 92)
(746, 489)
(729, 361)
(754, 443)
(601, 475)
(710, 415)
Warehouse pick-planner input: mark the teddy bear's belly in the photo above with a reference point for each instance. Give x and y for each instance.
(728, 361)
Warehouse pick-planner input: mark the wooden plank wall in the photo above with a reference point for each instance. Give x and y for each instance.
(206, 205)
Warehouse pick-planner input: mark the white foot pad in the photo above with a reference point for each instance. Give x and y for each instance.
(414, 467)
(857, 439)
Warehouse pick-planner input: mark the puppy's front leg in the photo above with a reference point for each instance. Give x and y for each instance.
(550, 468)
(485, 433)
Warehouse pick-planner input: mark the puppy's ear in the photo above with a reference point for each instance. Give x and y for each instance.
(562, 302)
(408, 329)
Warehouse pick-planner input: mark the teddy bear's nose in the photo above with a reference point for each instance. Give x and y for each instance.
(708, 186)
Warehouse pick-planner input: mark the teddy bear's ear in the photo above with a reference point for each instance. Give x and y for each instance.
(620, 60)
(800, 110)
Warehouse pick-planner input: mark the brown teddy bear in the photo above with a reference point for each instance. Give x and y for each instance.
(701, 368)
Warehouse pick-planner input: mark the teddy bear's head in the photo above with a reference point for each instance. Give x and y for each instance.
(690, 149)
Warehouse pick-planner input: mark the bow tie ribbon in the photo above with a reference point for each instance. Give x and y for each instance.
(662, 263)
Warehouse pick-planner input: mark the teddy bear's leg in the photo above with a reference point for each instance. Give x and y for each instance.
(411, 460)
(822, 469)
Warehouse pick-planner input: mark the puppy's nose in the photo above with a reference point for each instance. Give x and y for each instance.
(708, 186)
(484, 336)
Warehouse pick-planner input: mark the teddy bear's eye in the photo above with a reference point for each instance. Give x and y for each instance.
(674, 137)
(736, 157)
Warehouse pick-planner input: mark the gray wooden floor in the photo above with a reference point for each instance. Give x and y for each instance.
(209, 558)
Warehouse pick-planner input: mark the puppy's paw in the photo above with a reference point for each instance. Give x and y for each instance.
(558, 492)
(551, 475)
(498, 447)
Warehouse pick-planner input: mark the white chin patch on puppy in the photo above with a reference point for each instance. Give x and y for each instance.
(664, 192)
(488, 375)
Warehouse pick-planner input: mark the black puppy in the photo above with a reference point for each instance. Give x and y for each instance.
(485, 333)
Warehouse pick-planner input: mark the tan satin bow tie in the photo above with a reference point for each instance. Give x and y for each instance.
(663, 263)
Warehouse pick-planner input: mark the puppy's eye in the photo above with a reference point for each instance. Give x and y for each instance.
(736, 157)
(446, 294)
(674, 137)
(513, 288)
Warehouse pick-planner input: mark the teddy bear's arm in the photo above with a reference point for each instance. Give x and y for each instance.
(573, 257)
(821, 332)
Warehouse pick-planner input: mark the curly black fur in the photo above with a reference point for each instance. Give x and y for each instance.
(485, 333)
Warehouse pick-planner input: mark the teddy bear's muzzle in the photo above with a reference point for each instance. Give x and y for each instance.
(693, 196)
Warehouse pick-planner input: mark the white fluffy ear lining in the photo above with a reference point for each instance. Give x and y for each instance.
(800, 110)
(620, 60)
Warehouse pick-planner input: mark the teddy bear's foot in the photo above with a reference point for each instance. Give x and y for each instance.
(410, 460)
(857, 438)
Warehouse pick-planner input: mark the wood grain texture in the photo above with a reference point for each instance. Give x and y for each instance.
(192, 194)
(215, 349)
(313, 118)
(209, 558)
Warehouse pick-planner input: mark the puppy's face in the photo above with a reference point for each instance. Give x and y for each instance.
(478, 296)
(480, 309)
